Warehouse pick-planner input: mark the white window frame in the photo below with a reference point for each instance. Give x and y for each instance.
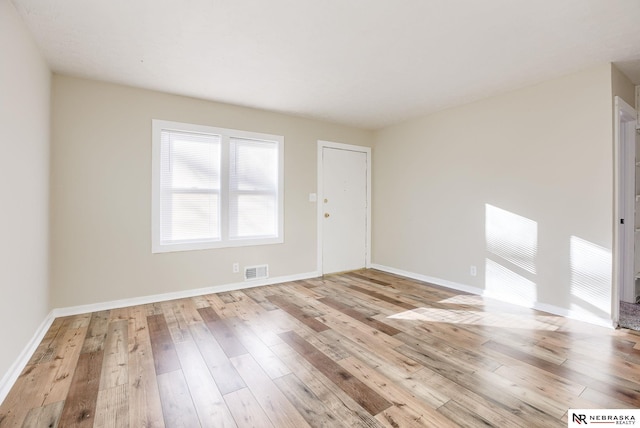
(226, 135)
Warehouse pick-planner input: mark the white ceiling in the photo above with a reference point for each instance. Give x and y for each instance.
(368, 63)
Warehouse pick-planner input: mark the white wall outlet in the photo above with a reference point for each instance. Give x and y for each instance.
(236, 267)
(313, 197)
(473, 271)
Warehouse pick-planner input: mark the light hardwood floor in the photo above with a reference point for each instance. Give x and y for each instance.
(358, 349)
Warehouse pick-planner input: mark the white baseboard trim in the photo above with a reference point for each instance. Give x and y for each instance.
(429, 279)
(143, 300)
(545, 307)
(568, 313)
(10, 377)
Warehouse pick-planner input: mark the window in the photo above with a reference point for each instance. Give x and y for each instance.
(215, 187)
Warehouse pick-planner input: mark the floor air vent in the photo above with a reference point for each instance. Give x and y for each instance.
(256, 272)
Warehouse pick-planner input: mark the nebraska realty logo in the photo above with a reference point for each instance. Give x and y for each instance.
(599, 417)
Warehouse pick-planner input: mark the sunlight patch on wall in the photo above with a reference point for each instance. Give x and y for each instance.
(512, 237)
(590, 277)
(501, 283)
(488, 319)
(512, 244)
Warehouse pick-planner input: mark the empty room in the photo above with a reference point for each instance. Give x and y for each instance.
(319, 214)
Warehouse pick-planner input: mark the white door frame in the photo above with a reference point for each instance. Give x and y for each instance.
(320, 199)
(624, 124)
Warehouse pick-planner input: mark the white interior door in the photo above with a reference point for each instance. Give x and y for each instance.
(343, 207)
(626, 235)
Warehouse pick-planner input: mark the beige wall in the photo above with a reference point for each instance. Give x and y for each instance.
(101, 184)
(542, 154)
(24, 173)
(622, 86)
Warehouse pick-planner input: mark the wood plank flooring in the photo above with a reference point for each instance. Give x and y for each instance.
(361, 349)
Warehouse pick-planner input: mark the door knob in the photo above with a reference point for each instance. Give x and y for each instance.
(326, 215)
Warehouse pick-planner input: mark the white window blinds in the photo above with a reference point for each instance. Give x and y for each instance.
(253, 188)
(190, 187)
(215, 187)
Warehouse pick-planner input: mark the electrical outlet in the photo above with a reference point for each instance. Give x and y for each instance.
(236, 267)
(473, 270)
